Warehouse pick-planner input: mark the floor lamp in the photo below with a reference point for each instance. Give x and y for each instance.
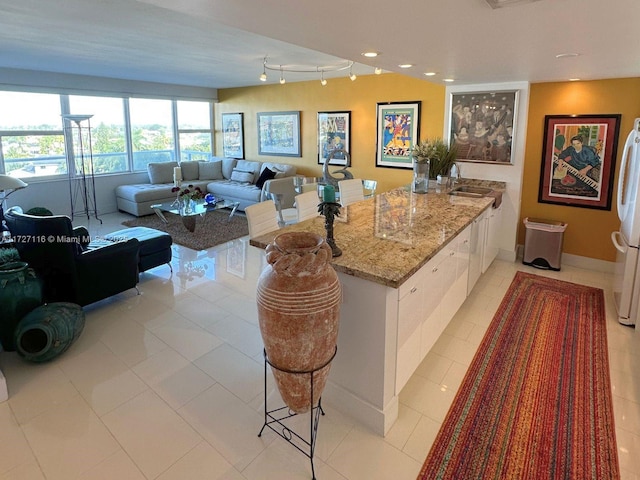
(81, 175)
(8, 185)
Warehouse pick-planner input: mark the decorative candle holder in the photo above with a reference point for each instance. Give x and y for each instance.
(330, 210)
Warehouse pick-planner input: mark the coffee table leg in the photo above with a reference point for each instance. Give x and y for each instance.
(161, 215)
(189, 222)
(233, 210)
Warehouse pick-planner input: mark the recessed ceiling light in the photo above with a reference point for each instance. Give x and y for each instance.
(370, 54)
(406, 65)
(429, 74)
(574, 79)
(567, 55)
(448, 80)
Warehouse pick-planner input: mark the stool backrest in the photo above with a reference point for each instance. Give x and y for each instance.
(261, 218)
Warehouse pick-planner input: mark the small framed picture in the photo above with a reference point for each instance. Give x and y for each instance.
(233, 135)
(334, 133)
(398, 126)
(579, 160)
(279, 134)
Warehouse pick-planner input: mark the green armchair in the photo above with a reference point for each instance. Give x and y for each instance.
(71, 269)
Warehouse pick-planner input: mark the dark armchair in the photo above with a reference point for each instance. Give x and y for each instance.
(72, 270)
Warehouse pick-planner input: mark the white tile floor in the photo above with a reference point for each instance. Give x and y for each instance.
(168, 384)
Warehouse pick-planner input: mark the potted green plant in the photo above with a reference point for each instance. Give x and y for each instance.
(439, 155)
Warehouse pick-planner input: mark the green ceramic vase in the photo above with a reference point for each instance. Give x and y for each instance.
(20, 293)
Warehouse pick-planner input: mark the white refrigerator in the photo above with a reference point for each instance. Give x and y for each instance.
(626, 288)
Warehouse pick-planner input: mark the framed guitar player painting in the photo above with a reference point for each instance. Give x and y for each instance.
(578, 160)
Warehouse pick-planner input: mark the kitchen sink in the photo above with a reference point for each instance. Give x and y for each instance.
(470, 191)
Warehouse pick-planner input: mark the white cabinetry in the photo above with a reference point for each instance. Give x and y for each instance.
(476, 248)
(492, 242)
(428, 301)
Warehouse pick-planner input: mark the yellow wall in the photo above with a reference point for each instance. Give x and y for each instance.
(360, 97)
(588, 231)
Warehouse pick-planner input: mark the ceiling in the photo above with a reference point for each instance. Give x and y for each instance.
(222, 43)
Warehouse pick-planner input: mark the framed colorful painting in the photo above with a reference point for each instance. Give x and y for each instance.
(334, 133)
(481, 126)
(398, 127)
(279, 134)
(578, 160)
(233, 135)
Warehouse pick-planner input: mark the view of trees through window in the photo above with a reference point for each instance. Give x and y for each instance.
(34, 138)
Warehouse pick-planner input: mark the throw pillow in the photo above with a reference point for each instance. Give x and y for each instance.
(242, 177)
(210, 170)
(161, 172)
(189, 171)
(264, 176)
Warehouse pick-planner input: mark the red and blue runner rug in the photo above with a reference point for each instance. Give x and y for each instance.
(536, 400)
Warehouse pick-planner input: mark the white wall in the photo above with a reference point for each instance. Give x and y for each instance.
(511, 174)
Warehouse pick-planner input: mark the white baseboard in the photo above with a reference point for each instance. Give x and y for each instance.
(380, 422)
(578, 261)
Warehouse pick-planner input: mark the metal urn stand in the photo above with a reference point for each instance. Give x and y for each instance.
(276, 419)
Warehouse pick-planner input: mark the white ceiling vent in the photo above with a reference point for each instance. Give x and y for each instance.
(507, 3)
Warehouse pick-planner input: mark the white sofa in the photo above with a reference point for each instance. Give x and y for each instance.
(236, 180)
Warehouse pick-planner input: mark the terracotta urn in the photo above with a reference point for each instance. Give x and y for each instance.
(298, 298)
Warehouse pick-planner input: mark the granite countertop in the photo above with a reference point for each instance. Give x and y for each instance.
(388, 238)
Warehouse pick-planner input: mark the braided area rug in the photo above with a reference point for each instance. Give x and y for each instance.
(536, 400)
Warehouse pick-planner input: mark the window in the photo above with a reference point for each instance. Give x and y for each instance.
(194, 130)
(151, 131)
(126, 133)
(108, 135)
(31, 135)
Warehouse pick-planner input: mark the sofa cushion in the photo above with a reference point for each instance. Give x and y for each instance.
(190, 171)
(266, 174)
(241, 176)
(210, 170)
(280, 169)
(249, 166)
(161, 172)
(229, 189)
(228, 164)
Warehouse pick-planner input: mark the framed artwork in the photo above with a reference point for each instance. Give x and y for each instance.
(279, 134)
(481, 126)
(578, 160)
(398, 127)
(334, 132)
(233, 135)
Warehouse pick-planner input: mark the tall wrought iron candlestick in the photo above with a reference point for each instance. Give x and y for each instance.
(330, 210)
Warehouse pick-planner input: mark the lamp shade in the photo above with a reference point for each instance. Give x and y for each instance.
(10, 183)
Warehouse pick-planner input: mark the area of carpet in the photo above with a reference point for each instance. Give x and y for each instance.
(536, 400)
(212, 229)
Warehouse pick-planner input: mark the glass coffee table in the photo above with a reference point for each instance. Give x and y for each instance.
(199, 208)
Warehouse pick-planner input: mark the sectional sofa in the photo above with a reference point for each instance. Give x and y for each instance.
(236, 180)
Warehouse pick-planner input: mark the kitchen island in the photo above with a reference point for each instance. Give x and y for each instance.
(404, 271)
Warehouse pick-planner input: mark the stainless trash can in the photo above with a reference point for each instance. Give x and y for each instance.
(543, 243)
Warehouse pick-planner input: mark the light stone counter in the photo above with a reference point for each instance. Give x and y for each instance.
(386, 239)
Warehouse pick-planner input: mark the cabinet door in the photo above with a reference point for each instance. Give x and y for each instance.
(476, 247)
(410, 317)
(492, 243)
(433, 283)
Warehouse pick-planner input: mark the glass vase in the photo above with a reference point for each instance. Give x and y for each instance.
(420, 177)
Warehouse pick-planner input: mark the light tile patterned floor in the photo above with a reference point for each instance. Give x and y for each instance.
(168, 385)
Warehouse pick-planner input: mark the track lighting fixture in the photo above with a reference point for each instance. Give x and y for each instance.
(336, 67)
